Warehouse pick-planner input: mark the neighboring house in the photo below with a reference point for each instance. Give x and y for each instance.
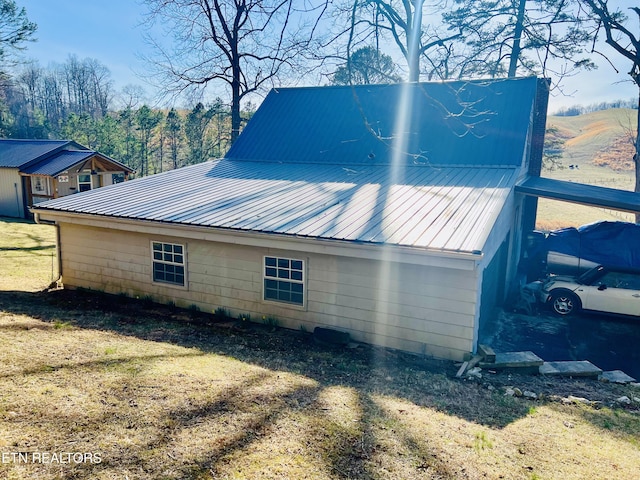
(33, 171)
(387, 211)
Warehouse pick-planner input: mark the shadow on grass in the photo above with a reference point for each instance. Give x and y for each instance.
(236, 422)
(425, 382)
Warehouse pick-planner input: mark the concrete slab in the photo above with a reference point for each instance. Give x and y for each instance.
(616, 376)
(581, 368)
(514, 360)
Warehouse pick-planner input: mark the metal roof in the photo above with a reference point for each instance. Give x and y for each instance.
(447, 123)
(420, 165)
(580, 193)
(66, 159)
(19, 153)
(447, 208)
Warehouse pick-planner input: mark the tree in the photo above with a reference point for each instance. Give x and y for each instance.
(552, 152)
(619, 36)
(520, 37)
(402, 20)
(15, 30)
(147, 120)
(242, 44)
(196, 128)
(88, 86)
(7, 90)
(367, 65)
(173, 132)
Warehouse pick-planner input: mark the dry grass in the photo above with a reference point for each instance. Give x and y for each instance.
(159, 393)
(27, 255)
(597, 144)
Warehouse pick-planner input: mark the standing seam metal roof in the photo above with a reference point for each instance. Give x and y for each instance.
(420, 165)
(64, 160)
(445, 208)
(18, 153)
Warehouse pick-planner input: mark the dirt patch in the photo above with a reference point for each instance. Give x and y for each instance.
(618, 157)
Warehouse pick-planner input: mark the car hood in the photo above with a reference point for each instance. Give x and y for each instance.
(560, 278)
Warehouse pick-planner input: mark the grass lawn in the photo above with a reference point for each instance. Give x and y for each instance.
(27, 255)
(142, 391)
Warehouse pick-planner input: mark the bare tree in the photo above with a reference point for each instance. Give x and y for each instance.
(618, 34)
(88, 86)
(402, 21)
(242, 44)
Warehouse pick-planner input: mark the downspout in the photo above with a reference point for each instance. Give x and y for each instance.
(39, 221)
(19, 210)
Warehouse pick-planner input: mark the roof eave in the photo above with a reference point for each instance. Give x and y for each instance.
(425, 256)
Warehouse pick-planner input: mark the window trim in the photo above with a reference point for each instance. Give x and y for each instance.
(90, 182)
(303, 282)
(183, 286)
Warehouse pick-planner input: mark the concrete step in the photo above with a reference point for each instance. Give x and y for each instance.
(616, 376)
(522, 362)
(581, 368)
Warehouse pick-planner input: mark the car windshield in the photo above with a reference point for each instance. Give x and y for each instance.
(588, 277)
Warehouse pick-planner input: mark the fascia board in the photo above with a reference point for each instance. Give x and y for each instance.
(400, 254)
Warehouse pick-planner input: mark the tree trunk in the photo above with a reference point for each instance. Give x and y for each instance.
(235, 101)
(636, 157)
(414, 42)
(517, 37)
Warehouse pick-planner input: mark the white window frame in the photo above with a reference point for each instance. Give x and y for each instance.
(170, 261)
(44, 191)
(287, 274)
(81, 174)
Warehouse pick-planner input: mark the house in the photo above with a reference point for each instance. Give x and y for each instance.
(387, 211)
(33, 171)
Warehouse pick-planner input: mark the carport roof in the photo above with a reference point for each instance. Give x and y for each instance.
(580, 193)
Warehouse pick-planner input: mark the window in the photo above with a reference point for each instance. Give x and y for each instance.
(84, 182)
(39, 185)
(168, 263)
(284, 280)
(117, 178)
(627, 281)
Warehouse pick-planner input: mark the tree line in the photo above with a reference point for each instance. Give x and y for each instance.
(76, 100)
(574, 110)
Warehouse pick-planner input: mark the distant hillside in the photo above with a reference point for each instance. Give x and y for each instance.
(598, 138)
(596, 150)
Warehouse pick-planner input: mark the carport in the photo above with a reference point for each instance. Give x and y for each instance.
(590, 195)
(609, 345)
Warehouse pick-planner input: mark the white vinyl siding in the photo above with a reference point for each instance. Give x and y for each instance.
(422, 309)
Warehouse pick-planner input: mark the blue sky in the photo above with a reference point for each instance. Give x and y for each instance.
(109, 31)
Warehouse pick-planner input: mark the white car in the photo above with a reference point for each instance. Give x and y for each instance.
(601, 289)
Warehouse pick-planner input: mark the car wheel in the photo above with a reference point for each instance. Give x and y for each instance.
(565, 302)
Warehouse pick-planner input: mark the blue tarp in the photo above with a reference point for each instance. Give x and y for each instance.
(614, 244)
